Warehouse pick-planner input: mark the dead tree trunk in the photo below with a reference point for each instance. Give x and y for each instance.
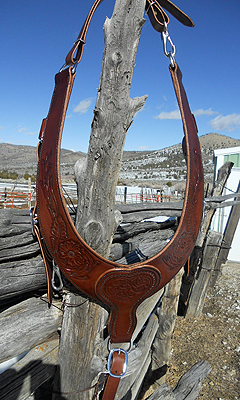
(82, 349)
(97, 176)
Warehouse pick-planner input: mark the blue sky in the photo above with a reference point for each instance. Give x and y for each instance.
(36, 35)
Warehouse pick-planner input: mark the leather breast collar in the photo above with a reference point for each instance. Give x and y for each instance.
(122, 288)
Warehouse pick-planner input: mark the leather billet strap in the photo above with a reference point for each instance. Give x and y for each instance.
(155, 12)
(122, 288)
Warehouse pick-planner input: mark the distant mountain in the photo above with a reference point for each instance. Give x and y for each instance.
(148, 168)
(168, 164)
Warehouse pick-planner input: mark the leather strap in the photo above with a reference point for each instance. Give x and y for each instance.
(156, 14)
(122, 288)
(117, 367)
(159, 18)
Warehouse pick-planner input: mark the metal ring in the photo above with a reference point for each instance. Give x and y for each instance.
(128, 350)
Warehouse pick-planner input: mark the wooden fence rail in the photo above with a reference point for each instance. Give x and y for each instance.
(15, 200)
(27, 324)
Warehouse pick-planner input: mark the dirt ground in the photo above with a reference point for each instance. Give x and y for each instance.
(214, 337)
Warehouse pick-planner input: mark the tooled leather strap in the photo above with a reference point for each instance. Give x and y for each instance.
(122, 288)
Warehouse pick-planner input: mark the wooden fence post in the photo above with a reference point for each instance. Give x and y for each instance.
(228, 235)
(197, 254)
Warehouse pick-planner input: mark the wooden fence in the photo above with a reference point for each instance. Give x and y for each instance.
(29, 328)
(15, 200)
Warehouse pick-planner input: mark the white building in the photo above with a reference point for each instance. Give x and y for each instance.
(221, 215)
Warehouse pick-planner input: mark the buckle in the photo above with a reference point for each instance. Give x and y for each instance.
(119, 351)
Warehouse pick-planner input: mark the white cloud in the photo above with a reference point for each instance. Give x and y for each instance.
(22, 129)
(201, 111)
(169, 115)
(83, 106)
(228, 122)
(31, 133)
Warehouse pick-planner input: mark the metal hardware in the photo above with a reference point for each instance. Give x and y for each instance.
(128, 350)
(33, 220)
(119, 351)
(166, 38)
(150, 5)
(73, 65)
(56, 271)
(79, 40)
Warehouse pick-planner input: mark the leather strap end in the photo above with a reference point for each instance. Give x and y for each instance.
(41, 133)
(176, 12)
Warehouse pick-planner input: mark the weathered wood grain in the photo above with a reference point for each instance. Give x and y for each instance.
(83, 352)
(139, 361)
(27, 324)
(22, 276)
(24, 377)
(25, 251)
(197, 253)
(148, 244)
(228, 235)
(21, 239)
(187, 388)
(223, 174)
(141, 215)
(167, 314)
(201, 284)
(125, 232)
(159, 207)
(97, 175)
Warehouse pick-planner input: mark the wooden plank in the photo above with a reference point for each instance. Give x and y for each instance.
(228, 236)
(83, 351)
(147, 244)
(163, 393)
(24, 377)
(139, 360)
(20, 252)
(223, 174)
(144, 311)
(22, 276)
(201, 284)
(166, 206)
(125, 232)
(187, 388)
(22, 239)
(27, 324)
(13, 230)
(140, 215)
(197, 253)
(167, 314)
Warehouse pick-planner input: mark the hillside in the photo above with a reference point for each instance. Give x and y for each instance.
(168, 164)
(149, 168)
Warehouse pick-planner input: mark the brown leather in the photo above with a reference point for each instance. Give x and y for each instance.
(159, 18)
(112, 382)
(122, 288)
(156, 14)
